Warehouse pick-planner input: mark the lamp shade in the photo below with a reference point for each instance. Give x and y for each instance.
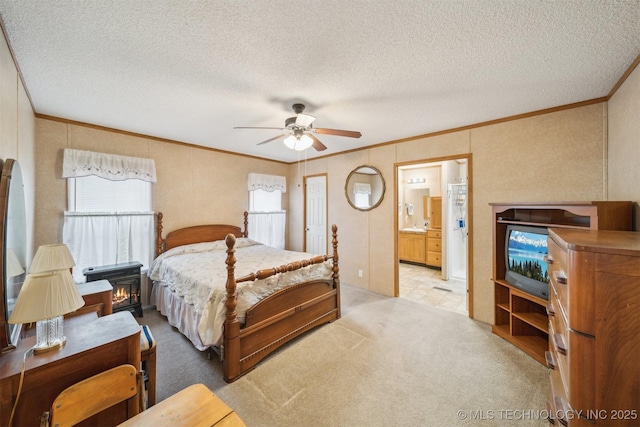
(14, 267)
(46, 295)
(52, 257)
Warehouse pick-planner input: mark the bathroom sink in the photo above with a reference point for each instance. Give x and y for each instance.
(414, 229)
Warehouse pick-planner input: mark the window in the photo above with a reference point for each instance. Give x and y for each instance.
(109, 218)
(362, 200)
(95, 194)
(265, 201)
(267, 219)
(362, 194)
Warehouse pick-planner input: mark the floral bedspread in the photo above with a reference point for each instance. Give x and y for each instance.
(198, 274)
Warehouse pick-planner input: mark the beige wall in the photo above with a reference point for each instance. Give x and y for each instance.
(552, 157)
(195, 185)
(17, 133)
(624, 142)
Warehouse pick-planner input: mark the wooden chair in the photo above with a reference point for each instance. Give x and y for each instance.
(93, 395)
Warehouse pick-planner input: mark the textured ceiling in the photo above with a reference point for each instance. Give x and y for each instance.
(192, 70)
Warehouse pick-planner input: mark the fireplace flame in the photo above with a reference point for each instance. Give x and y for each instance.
(120, 296)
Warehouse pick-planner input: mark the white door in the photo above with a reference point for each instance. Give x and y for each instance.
(316, 214)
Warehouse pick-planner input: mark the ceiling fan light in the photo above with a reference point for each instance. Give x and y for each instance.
(304, 142)
(290, 142)
(298, 143)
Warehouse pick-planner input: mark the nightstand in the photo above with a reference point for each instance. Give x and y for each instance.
(97, 297)
(94, 344)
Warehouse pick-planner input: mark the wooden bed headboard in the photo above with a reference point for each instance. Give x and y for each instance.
(196, 234)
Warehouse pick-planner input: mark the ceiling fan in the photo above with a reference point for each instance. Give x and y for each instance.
(299, 131)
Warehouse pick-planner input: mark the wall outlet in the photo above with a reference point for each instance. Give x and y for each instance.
(359, 273)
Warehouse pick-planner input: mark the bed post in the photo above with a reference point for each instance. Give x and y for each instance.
(159, 234)
(246, 224)
(231, 355)
(336, 268)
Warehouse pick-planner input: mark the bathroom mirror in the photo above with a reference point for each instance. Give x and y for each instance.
(364, 188)
(13, 252)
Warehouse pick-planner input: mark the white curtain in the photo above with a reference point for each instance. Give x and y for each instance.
(79, 163)
(96, 239)
(268, 228)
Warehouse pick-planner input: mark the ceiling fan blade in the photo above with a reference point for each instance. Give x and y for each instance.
(250, 127)
(270, 139)
(338, 132)
(319, 146)
(304, 120)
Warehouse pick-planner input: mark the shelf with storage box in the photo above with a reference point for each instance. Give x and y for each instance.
(520, 317)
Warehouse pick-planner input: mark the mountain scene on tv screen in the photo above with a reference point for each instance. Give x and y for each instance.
(526, 255)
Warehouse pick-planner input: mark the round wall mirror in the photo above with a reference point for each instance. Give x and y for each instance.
(364, 188)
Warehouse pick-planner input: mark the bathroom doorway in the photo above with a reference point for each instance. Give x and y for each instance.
(433, 233)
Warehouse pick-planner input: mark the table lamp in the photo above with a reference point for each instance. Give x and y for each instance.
(47, 294)
(14, 267)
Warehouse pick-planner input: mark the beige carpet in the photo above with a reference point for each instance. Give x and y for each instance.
(386, 362)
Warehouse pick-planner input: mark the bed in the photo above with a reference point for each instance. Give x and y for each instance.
(246, 311)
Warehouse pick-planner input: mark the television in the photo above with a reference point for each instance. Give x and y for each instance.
(525, 250)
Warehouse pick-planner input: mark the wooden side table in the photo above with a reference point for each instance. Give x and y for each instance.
(93, 346)
(194, 406)
(97, 296)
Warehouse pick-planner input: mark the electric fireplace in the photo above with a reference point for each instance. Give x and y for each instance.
(125, 279)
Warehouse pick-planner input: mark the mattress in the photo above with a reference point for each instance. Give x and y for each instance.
(189, 284)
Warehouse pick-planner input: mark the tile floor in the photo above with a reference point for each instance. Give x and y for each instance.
(425, 285)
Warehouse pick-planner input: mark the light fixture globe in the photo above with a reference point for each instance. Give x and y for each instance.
(304, 142)
(298, 143)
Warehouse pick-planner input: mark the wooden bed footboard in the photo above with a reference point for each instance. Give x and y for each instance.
(280, 317)
(276, 319)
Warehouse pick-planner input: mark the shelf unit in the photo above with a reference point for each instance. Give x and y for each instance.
(521, 318)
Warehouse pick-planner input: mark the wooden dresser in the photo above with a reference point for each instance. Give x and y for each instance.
(94, 344)
(594, 327)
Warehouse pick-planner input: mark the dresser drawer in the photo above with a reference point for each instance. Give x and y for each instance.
(434, 259)
(557, 268)
(434, 245)
(557, 404)
(559, 347)
(434, 234)
(572, 355)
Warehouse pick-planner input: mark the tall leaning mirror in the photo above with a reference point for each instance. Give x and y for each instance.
(13, 250)
(364, 188)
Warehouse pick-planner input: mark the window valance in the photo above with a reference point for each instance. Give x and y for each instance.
(361, 188)
(79, 163)
(258, 181)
